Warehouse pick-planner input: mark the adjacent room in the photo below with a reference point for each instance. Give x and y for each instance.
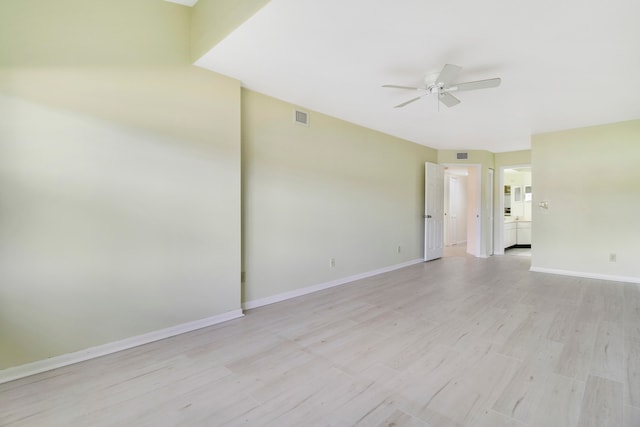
(319, 213)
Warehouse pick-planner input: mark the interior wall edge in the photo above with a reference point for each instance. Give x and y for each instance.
(26, 370)
(586, 275)
(322, 286)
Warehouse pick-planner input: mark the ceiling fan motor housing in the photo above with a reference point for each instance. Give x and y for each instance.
(444, 84)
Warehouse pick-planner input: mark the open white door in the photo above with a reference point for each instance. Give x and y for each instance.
(490, 211)
(433, 211)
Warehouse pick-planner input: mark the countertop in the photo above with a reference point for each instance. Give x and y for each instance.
(508, 220)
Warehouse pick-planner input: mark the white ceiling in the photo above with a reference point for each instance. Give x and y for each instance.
(563, 63)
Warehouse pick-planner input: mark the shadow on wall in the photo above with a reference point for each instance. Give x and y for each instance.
(121, 216)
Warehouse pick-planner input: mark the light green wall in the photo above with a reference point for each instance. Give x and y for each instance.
(591, 180)
(120, 181)
(512, 158)
(97, 33)
(333, 189)
(119, 184)
(213, 20)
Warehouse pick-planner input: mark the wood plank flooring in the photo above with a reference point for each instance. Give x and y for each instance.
(454, 342)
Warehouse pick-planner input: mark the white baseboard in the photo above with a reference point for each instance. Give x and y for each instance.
(628, 279)
(39, 366)
(322, 286)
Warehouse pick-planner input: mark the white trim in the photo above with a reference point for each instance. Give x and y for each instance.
(39, 366)
(322, 286)
(628, 279)
(189, 3)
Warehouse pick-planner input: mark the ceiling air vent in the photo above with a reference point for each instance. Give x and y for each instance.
(462, 156)
(301, 117)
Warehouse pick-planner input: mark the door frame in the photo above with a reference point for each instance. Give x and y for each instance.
(499, 219)
(449, 196)
(490, 210)
(476, 250)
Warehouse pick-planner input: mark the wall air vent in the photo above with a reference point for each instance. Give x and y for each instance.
(301, 117)
(462, 156)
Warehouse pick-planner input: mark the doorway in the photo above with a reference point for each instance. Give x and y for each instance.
(455, 202)
(513, 224)
(462, 203)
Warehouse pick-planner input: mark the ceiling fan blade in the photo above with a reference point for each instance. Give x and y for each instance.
(480, 84)
(403, 87)
(448, 99)
(409, 101)
(448, 75)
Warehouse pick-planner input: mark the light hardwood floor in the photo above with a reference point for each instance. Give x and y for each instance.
(454, 342)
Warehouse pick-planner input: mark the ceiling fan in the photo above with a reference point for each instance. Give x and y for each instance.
(444, 85)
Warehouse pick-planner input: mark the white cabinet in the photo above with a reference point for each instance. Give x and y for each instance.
(523, 234)
(510, 234)
(517, 233)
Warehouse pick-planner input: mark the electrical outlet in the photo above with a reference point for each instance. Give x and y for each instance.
(612, 257)
(399, 248)
(332, 262)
